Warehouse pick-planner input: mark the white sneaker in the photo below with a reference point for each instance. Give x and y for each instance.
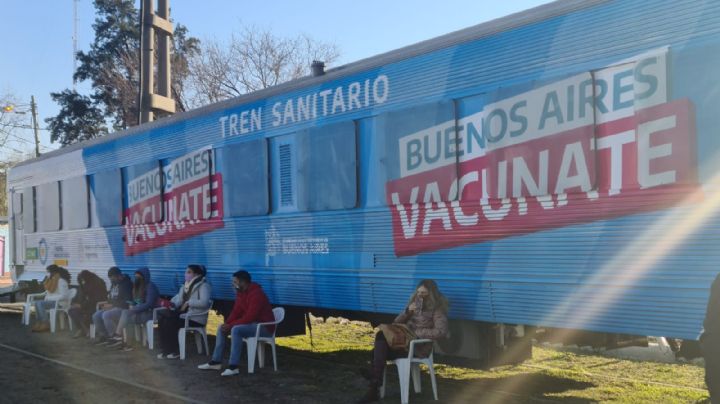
(172, 356)
(210, 366)
(230, 372)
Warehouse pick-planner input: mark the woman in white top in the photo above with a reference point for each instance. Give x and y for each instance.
(192, 299)
(57, 287)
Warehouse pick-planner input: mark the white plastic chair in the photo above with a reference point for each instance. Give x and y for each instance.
(29, 302)
(92, 324)
(253, 342)
(200, 332)
(62, 306)
(408, 367)
(150, 327)
(139, 333)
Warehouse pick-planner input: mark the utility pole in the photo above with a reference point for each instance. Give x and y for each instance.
(33, 112)
(155, 24)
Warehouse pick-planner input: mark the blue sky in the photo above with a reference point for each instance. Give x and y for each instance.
(36, 46)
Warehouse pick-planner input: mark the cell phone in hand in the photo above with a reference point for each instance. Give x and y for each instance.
(418, 303)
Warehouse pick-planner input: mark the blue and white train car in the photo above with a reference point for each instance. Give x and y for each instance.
(555, 167)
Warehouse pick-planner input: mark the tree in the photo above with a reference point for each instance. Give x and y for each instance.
(112, 68)
(12, 121)
(79, 119)
(3, 193)
(185, 47)
(252, 60)
(9, 119)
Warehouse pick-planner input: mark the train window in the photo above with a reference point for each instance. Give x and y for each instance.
(143, 193)
(187, 181)
(409, 156)
(284, 173)
(327, 169)
(76, 202)
(47, 199)
(244, 170)
(287, 189)
(106, 198)
(28, 207)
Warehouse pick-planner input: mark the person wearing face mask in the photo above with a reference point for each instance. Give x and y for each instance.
(108, 315)
(144, 299)
(193, 297)
(251, 307)
(91, 290)
(425, 315)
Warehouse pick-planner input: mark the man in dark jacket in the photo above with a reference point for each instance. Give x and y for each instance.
(251, 307)
(91, 290)
(710, 342)
(107, 317)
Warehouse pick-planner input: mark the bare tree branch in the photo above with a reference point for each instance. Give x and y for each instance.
(251, 60)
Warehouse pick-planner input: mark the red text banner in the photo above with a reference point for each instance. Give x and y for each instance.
(637, 163)
(191, 204)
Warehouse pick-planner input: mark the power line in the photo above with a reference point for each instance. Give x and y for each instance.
(14, 149)
(17, 138)
(9, 125)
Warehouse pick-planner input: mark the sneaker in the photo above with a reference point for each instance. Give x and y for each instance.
(116, 337)
(114, 344)
(173, 356)
(210, 366)
(230, 372)
(126, 348)
(101, 341)
(161, 356)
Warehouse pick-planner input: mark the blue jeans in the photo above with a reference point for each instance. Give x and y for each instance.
(42, 307)
(238, 332)
(127, 316)
(105, 320)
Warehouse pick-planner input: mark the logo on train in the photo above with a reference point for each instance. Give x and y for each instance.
(596, 145)
(185, 202)
(42, 251)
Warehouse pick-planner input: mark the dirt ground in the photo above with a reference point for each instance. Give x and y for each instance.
(135, 377)
(55, 368)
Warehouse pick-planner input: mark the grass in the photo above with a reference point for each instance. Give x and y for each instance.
(554, 375)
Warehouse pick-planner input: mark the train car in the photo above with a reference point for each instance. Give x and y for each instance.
(556, 167)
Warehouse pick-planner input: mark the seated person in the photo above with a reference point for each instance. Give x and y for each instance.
(251, 307)
(140, 309)
(193, 297)
(91, 290)
(426, 316)
(57, 287)
(710, 341)
(107, 317)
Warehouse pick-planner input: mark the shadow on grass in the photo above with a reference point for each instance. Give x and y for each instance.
(341, 368)
(515, 388)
